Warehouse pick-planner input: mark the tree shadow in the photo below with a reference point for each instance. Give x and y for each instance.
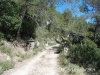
(55, 50)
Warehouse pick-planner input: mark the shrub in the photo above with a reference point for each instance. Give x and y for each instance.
(62, 59)
(9, 18)
(72, 69)
(5, 65)
(86, 54)
(68, 67)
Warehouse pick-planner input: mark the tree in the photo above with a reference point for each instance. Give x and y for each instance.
(27, 3)
(9, 20)
(25, 6)
(93, 8)
(22, 16)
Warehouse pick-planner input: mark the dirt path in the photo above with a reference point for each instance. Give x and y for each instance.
(45, 63)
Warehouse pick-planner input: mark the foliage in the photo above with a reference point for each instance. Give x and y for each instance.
(67, 15)
(28, 27)
(6, 50)
(30, 18)
(85, 54)
(68, 67)
(9, 20)
(92, 8)
(1, 36)
(23, 56)
(61, 48)
(6, 65)
(63, 59)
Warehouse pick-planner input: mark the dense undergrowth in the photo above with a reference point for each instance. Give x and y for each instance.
(80, 58)
(86, 54)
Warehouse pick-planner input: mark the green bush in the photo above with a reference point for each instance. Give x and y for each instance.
(9, 18)
(86, 54)
(5, 65)
(63, 60)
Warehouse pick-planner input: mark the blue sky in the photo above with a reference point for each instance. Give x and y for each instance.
(61, 8)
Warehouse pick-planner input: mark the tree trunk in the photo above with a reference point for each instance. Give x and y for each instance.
(22, 17)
